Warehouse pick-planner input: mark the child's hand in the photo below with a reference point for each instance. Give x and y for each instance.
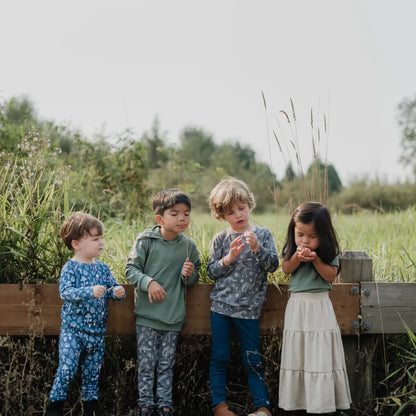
(156, 292)
(235, 249)
(119, 291)
(98, 291)
(252, 241)
(187, 268)
(305, 254)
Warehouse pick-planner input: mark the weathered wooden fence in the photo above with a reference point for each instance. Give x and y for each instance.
(363, 308)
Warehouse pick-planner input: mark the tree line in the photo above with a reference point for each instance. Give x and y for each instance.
(117, 175)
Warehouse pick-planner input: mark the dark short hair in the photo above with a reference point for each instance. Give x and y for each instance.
(318, 215)
(77, 225)
(168, 198)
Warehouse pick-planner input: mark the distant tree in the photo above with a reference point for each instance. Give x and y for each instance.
(196, 145)
(239, 161)
(290, 174)
(18, 118)
(20, 110)
(154, 142)
(109, 178)
(407, 121)
(17, 115)
(321, 173)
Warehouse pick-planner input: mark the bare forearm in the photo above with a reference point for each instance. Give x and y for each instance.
(289, 266)
(327, 271)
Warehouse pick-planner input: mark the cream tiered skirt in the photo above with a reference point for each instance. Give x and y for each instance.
(313, 375)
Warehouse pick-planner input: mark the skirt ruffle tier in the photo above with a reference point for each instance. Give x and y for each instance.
(313, 375)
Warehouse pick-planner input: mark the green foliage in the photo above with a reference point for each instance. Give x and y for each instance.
(16, 117)
(154, 142)
(197, 146)
(396, 393)
(108, 179)
(325, 176)
(375, 196)
(32, 197)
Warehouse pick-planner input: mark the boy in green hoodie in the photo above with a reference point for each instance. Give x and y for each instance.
(161, 264)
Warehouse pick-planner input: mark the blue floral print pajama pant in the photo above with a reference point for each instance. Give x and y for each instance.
(155, 352)
(77, 347)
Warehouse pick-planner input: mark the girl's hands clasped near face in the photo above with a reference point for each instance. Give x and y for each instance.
(305, 254)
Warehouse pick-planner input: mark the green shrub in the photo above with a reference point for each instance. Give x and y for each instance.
(32, 198)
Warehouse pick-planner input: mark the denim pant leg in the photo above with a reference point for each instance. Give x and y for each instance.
(248, 332)
(91, 361)
(220, 356)
(147, 339)
(70, 348)
(164, 370)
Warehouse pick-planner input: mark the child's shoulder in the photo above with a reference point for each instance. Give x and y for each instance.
(222, 234)
(259, 230)
(184, 239)
(101, 264)
(153, 232)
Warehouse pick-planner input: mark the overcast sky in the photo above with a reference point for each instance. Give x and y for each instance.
(111, 65)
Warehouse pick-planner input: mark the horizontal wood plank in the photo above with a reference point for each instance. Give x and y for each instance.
(388, 307)
(36, 309)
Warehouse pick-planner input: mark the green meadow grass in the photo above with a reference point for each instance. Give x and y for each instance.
(389, 239)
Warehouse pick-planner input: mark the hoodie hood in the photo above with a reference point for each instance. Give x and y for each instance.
(154, 232)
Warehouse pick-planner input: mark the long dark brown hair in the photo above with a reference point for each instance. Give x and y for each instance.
(318, 215)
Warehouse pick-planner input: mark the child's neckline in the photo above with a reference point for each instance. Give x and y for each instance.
(250, 229)
(84, 262)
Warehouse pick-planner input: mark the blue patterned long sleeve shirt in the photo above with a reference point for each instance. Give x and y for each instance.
(81, 310)
(240, 288)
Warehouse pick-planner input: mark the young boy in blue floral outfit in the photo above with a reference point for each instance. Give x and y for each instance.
(85, 286)
(161, 264)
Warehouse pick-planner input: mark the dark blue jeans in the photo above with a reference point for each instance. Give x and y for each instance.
(248, 333)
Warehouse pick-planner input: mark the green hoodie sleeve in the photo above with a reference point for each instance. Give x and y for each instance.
(192, 280)
(136, 263)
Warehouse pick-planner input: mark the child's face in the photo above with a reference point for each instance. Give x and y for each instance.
(174, 220)
(238, 216)
(89, 246)
(306, 236)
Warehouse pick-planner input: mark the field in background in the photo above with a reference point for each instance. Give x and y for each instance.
(389, 239)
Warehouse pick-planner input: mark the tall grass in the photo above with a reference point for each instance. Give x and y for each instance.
(32, 198)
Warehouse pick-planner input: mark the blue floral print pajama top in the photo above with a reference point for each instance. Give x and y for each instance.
(83, 326)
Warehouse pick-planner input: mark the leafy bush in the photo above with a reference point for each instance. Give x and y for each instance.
(32, 198)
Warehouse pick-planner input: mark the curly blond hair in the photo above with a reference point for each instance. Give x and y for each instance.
(226, 194)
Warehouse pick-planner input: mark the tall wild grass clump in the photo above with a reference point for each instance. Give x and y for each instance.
(32, 197)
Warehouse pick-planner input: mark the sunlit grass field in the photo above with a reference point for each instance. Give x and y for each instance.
(389, 239)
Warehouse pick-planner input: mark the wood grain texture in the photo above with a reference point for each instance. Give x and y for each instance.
(36, 309)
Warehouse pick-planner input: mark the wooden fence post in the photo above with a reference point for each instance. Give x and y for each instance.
(356, 267)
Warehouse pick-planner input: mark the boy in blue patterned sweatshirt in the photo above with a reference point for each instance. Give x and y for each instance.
(85, 286)
(240, 259)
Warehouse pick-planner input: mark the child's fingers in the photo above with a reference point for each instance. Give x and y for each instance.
(236, 241)
(150, 297)
(119, 291)
(157, 296)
